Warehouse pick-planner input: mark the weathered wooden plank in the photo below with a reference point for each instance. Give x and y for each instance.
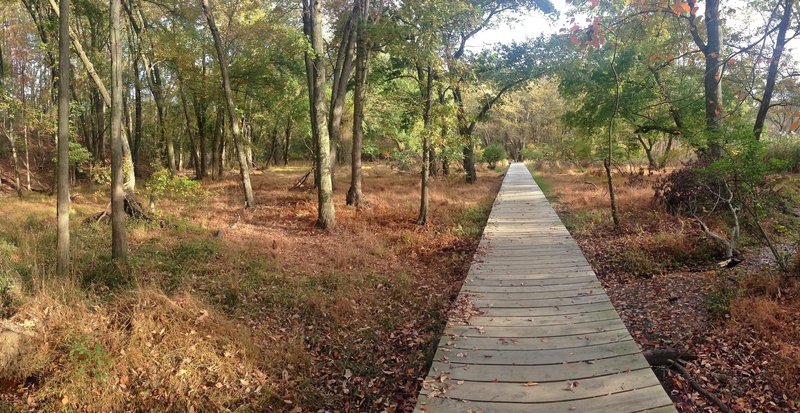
(549, 343)
(525, 321)
(545, 311)
(533, 303)
(572, 280)
(584, 286)
(455, 370)
(519, 295)
(550, 391)
(512, 357)
(535, 331)
(640, 400)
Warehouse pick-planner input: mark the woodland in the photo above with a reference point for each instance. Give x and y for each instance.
(270, 205)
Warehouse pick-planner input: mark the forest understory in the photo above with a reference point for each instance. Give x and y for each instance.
(661, 273)
(232, 309)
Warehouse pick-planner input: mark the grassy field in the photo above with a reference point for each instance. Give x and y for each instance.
(226, 309)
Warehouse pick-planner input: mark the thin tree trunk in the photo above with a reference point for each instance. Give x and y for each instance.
(354, 194)
(119, 246)
(610, 158)
(218, 141)
(62, 174)
(288, 136)
(244, 168)
(193, 142)
(774, 64)
(137, 117)
(426, 142)
(312, 19)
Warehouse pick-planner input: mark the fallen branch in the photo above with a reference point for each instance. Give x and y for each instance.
(662, 357)
(302, 181)
(714, 399)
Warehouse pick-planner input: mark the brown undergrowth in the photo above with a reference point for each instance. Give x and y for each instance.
(233, 310)
(660, 273)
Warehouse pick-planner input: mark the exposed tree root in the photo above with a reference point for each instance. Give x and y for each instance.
(714, 399)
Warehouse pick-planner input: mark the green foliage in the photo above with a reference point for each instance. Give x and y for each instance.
(78, 154)
(785, 151)
(163, 184)
(493, 154)
(91, 360)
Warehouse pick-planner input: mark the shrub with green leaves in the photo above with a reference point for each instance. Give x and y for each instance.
(165, 185)
(493, 154)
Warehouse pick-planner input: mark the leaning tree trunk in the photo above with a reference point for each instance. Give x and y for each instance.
(62, 169)
(312, 19)
(119, 247)
(774, 64)
(354, 195)
(244, 169)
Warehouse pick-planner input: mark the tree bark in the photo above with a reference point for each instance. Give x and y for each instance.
(119, 247)
(62, 174)
(774, 64)
(244, 168)
(312, 18)
(354, 194)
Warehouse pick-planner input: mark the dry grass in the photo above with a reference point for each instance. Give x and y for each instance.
(241, 310)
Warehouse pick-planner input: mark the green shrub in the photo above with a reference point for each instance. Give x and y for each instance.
(785, 151)
(163, 184)
(493, 154)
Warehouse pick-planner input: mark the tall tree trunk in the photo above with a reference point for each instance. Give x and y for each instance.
(288, 137)
(466, 136)
(9, 130)
(342, 72)
(427, 94)
(712, 80)
(62, 174)
(244, 168)
(190, 132)
(354, 194)
(312, 19)
(119, 246)
(774, 64)
(137, 122)
(608, 162)
(217, 145)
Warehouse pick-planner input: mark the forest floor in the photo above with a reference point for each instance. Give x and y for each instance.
(661, 274)
(236, 310)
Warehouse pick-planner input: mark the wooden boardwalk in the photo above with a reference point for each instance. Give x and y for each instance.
(542, 335)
